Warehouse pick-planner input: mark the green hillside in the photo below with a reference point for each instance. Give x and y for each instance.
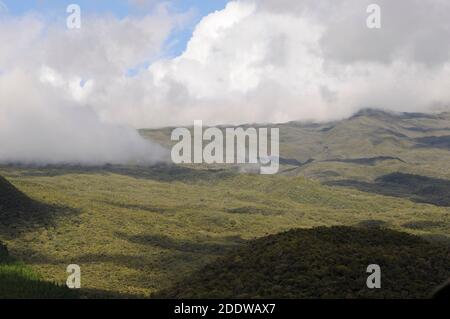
(18, 212)
(19, 281)
(322, 263)
(366, 151)
(137, 230)
(367, 146)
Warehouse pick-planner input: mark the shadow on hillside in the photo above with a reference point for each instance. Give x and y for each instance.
(421, 189)
(146, 208)
(159, 172)
(190, 246)
(20, 213)
(371, 161)
(423, 225)
(323, 262)
(172, 259)
(434, 142)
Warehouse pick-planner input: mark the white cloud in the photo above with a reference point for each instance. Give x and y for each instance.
(284, 60)
(48, 76)
(254, 61)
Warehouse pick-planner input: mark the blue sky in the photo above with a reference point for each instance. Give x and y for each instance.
(55, 8)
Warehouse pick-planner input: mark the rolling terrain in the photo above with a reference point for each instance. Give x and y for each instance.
(137, 231)
(396, 154)
(20, 281)
(322, 263)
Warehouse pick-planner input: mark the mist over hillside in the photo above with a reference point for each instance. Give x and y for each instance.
(76, 96)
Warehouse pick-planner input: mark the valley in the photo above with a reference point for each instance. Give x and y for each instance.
(138, 230)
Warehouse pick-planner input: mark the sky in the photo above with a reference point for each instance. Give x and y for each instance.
(52, 10)
(78, 95)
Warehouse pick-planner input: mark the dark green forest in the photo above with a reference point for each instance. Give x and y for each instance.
(322, 263)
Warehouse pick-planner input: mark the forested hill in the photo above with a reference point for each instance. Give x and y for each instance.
(322, 263)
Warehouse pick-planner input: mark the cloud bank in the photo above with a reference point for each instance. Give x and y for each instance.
(77, 95)
(284, 60)
(48, 76)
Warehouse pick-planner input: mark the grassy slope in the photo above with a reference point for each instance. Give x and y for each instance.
(137, 235)
(20, 281)
(420, 141)
(137, 230)
(370, 134)
(366, 151)
(322, 263)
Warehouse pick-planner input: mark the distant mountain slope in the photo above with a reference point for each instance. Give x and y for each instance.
(369, 134)
(417, 188)
(322, 262)
(364, 148)
(371, 137)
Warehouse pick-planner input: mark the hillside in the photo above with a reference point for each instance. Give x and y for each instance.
(19, 281)
(371, 146)
(13, 201)
(322, 263)
(20, 213)
(364, 150)
(149, 227)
